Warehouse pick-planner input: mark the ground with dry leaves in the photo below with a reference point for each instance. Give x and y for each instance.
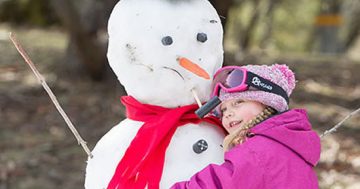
(37, 150)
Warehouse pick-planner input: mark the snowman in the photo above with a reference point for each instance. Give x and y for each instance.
(164, 52)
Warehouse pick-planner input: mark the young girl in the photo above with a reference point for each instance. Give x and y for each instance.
(268, 146)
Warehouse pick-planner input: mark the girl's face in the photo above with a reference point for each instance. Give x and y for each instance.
(235, 113)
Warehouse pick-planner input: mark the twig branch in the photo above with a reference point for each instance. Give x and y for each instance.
(333, 129)
(196, 97)
(50, 93)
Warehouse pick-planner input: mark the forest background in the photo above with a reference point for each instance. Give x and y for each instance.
(67, 40)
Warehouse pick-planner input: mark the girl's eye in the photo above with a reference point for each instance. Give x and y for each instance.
(167, 40)
(222, 110)
(201, 37)
(238, 102)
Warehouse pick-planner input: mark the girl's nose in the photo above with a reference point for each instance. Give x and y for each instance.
(229, 113)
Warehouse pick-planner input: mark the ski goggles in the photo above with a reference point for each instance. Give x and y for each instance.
(237, 79)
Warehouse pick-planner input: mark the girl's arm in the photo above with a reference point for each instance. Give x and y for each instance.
(242, 169)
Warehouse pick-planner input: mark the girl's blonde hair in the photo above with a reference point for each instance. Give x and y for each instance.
(239, 136)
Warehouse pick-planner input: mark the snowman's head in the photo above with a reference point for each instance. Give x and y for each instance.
(160, 50)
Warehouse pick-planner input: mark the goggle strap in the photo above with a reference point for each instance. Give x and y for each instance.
(263, 84)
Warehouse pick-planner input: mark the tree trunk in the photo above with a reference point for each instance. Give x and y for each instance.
(222, 7)
(327, 26)
(353, 26)
(269, 18)
(248, 32)
(83, 36)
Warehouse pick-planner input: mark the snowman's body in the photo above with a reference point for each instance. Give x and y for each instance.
(181, 162)
(146, 62)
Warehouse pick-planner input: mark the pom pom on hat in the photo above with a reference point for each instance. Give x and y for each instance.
(288, 75)
(279, 74)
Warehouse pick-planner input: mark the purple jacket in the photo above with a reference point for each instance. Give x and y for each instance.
(282, 154)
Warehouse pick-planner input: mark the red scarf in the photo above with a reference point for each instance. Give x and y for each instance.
(143, 161)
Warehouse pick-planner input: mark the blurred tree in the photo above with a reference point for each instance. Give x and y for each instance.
(222, 7)
(352, 11)
(248, 31)
(268, 22)
(84, 21)
(327, 25)
(30, 12)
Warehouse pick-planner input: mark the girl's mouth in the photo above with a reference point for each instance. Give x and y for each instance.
(234, 123)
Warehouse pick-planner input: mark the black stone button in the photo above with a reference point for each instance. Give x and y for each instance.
(201, 37)
(200, 146)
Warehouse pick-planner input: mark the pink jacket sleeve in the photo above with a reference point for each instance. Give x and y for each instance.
(242, 169)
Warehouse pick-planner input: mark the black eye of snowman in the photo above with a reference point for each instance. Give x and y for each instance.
(201, 37)
(167, 40)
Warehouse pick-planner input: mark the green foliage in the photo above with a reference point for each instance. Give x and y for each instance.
(293, 23)
(29, 12)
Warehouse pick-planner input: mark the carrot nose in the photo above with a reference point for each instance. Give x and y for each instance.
(192, 67)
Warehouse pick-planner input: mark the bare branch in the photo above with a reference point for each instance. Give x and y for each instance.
(333, 129)
(196, 97)
(50, 93)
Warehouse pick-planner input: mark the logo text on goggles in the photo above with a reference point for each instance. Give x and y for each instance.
(256, 81)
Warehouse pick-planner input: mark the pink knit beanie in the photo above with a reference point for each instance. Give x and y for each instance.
(278, 74)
